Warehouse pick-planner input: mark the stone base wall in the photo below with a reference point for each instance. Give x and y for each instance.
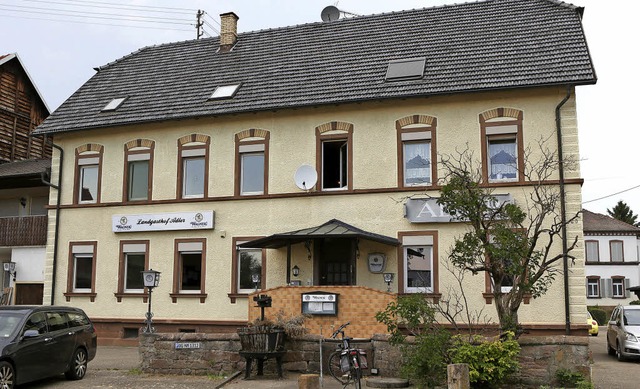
(201, 354)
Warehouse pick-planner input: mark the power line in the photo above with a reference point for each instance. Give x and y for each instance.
(98, 23)
(103, 4)
(64, 12)
(132, 18)
(611, 195)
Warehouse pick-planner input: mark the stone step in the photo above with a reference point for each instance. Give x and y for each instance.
(379, 382)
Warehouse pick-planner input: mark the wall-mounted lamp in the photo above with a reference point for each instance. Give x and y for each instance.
(10, 267)
(151, 279)
(295, 271)
(388, 278)
(23, 202)
(255, 278)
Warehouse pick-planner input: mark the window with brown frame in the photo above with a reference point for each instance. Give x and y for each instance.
(416, 150)
(334, 156)
(138, 171)
(88, 174)
(593, 287)
(248, 268)
(81, 270)
(418, 264)
(193, 166)
(618, 287)
(189, 269)
(252, 163)
(616, 248)
(592, 250)
(134, 258)
(507, 281)
(502, 145)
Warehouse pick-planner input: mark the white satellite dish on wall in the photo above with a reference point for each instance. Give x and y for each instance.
(305, 177)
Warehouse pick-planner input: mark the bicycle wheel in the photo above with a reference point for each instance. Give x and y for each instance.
(356, 374)
(335, 370)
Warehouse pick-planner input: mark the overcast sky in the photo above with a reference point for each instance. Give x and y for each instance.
(60, 44)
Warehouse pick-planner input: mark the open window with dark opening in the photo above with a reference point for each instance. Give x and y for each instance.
(334, 164)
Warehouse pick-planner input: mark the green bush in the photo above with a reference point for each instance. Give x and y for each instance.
(599, 315)
(634, 302)
(570, 379)
(490, 362)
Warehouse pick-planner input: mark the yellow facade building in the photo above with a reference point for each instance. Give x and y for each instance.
(306, 156)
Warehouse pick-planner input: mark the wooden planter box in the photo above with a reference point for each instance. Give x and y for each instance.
(261, 339)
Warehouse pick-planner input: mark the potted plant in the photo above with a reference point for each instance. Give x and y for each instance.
(265, 335)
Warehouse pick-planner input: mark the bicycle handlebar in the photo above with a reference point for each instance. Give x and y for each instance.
(336, 332)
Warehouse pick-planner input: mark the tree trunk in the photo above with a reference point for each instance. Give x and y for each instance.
(507, 310)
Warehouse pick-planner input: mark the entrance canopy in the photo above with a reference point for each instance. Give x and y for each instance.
(332, 229)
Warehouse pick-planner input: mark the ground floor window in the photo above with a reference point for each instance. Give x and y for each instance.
(418, 269)
(189, 269)
(134, 259)
(248, 269)
(81, 273)
(593, 287)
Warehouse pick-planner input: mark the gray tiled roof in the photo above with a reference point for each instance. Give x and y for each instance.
(596, 222)
(494, 44)
(24, 168)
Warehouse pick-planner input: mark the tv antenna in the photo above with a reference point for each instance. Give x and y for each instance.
(305, 177)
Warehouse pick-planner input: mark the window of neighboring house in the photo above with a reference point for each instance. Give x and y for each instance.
(617, 287)
(502, 145)
(252, 162)
(617, 251)
(193, 171)
(249, 269)
(134, 258)
(88, 173)
(416, 150)
(138, 170)
(334, 155)
(418, 270)
(592, 251)
(82, 270)
(189, 269)
(593, 287)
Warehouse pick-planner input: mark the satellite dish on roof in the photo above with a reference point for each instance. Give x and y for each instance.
(330, 13)
(305, 177)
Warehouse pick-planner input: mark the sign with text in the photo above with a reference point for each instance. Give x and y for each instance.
(428, 210)
(199, 220)
(320, 303)
(188, 345)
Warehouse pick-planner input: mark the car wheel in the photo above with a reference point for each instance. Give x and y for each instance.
(619, 352)
(610, 350)
(78, 367)
(596, 334)
(7, 375)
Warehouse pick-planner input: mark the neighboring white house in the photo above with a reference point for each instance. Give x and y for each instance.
(612, 260)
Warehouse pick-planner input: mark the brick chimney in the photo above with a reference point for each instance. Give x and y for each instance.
(228, 31)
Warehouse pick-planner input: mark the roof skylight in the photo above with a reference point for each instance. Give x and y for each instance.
(114, 104)
(225, 92)
(406, 69)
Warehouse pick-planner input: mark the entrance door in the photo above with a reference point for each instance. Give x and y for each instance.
(334, 261)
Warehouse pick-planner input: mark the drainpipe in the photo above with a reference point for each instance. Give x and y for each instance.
(563, 215)
(57, 228)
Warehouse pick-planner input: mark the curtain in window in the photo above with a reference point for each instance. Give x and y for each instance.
(502, 159)
(417, 168)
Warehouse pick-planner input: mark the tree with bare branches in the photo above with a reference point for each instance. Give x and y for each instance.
(515, 242)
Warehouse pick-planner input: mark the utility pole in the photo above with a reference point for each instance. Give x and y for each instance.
(199, 23)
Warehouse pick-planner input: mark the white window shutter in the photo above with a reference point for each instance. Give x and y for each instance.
(627, 293)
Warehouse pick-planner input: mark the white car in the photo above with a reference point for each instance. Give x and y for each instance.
(623, 332)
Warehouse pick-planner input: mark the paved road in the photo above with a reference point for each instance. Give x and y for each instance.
(607, 372)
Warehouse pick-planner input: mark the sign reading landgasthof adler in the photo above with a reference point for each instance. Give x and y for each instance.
(427, 210)
(199, 220)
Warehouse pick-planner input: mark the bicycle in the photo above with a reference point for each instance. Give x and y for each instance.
(346, 363)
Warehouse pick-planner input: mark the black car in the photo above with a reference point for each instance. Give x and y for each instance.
(44, 341)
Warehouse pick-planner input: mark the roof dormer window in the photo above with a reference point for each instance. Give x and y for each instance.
(225, 92)
(114, 104)
(406, 69)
